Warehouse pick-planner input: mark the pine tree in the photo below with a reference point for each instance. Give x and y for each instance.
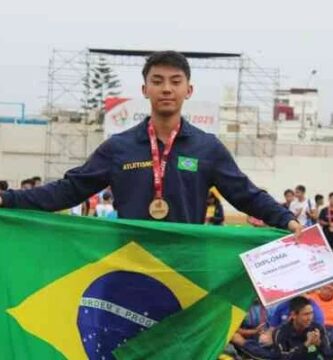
(100, 82)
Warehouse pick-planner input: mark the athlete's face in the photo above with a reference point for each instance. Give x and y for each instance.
(331, 201)
(166, 87)
(326, 293)
(289, 197)
(299, 195)
(304, 317)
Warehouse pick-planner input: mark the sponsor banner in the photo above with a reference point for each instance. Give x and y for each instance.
(124, 113)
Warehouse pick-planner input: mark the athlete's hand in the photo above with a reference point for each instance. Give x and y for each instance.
(311, 339)
(260, 328)
(296, 228)
(0, 201)
(317, 340)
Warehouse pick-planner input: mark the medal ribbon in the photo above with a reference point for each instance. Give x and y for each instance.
(159, 164)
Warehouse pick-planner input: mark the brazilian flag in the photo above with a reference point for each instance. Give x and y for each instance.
(82, 288)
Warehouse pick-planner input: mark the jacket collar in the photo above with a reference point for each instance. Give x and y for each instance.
(185, 131)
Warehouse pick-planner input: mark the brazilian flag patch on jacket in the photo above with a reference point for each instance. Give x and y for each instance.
(187, 164)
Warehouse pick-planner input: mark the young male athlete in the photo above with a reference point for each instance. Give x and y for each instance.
(162, 168)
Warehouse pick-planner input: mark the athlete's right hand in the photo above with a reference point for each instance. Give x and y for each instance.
(0, 201)
(311, 339)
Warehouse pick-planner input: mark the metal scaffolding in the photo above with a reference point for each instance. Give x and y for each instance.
(69, 142)
(257, 137)
(67, 132)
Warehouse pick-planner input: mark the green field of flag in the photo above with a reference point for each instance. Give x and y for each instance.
(82, 288)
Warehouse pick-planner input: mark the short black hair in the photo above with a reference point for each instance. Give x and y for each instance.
(3, 185)
(298, 303)
(288, 191)
(36, 178)
(330, 194)
(319, 197)
(27, 181)
(301, 188)
(168, 58)
(107, 195)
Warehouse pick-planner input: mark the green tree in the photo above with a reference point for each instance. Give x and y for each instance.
(100, 82)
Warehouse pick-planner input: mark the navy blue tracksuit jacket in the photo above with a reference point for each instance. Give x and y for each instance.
(197, 161)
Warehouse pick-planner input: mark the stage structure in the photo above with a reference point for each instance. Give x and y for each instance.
(247, 126)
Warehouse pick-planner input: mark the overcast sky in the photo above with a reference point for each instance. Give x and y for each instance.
(294, 35)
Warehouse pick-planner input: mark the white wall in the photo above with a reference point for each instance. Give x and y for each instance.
(22, 149)
(315, 173)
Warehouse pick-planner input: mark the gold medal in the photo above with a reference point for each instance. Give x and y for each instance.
(158, 209)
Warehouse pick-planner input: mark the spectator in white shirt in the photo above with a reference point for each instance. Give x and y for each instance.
(105, 208)
(304, 209)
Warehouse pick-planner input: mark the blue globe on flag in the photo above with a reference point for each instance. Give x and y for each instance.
(119, 305)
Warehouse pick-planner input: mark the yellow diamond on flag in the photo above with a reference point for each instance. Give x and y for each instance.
(52, 312)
